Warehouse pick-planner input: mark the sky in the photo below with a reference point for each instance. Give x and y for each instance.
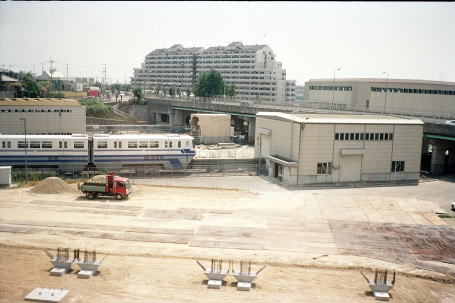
(407, 40)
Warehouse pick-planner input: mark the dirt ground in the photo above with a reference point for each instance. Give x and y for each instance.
(313, 244)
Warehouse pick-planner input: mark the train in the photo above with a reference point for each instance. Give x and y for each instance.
(76, 152)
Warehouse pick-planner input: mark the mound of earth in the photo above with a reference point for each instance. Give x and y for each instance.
(52, 185)
(97, 179)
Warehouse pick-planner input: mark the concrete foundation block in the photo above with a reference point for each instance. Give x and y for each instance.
(243, 286)
(46, 295)
(58, 272)
(214, 284)
(85, 274)
(381, 296)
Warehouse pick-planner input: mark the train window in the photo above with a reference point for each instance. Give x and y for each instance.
(166, 144)
(65, 144)
(60, 145)
(143, 144)
(120, 144)
(46, 144)
(77, 144)
(170, 144)
(179, 144)
(154, 144)
(9, 144)
(102, 144)
(132, 144)
(115, 144)
(35, 144)
(3, 144)
(22, 144)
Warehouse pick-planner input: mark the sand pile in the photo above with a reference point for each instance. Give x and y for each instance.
(97, 179)
(52, 185)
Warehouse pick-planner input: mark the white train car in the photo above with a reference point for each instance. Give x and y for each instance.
(169, 151)
(66, 152)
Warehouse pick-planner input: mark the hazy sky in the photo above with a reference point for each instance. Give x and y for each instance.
(408, 40)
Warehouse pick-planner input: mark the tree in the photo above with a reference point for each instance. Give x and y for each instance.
(30, 87)
(209, 83)
(116, 88)
(188, 92)
(171, 91)
(230, 90)
(137, 92)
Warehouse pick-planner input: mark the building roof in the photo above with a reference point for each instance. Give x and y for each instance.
(38, 102)
(5, 78)
(382, 80)
(337, 118)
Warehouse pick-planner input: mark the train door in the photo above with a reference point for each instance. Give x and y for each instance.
(90, 150)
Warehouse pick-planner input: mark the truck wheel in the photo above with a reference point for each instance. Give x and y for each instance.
(119, 196)
(90, 196)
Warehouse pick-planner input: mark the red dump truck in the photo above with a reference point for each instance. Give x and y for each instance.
(113, 186)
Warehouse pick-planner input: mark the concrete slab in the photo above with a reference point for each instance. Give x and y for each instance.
(58, 272)
(245, 286)
(85, 274)
(46, 295)
(381, 296)
(214, 284)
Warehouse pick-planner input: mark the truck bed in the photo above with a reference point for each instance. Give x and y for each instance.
(93, 187)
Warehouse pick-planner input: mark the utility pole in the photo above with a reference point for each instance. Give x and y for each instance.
(25, 146)
(67, 70)
(51, 68)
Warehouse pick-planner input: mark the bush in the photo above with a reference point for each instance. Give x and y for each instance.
(95, 108)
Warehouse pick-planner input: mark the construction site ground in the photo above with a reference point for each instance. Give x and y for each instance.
(313, 241)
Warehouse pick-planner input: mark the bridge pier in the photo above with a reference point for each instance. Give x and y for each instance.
(438, 156)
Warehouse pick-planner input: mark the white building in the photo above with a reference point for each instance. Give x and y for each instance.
(419, 97)
(44, 116)
(252, 69)
(323, 148)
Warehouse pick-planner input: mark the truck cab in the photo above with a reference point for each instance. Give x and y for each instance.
(118, 186)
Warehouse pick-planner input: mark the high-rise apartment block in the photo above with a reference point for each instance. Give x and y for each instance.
(252, 69)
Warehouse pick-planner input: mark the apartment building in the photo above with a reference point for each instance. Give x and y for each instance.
(252, 69)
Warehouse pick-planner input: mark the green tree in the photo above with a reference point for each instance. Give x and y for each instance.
(30, 87)
(137, 92)
(209, 83)
(230, 90)
(171, 91)
(116, 88)
(188, 92)
(95, 108)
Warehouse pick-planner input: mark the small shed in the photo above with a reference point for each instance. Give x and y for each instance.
(211, 128)
(5, 175)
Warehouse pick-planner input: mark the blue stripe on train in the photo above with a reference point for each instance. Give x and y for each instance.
(126, 156)
(174, 162)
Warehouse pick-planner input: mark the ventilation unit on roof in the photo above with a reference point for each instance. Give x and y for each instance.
(101, 135)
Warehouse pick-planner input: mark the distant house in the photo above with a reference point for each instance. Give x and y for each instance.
(6, 83)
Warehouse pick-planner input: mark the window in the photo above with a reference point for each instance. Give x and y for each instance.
(46, 144)
(154, 144)
(132, 144)
(80, 144)
(35, 144)
(22, 144)
(362, 136)
(357, 136)
(166, 144)
(386, 136)
(324, 168)
(170, 144)
(60, 144)
(143, 144)
(65, 144)
(367, 136)
(337, 136)
(390, 136)
(346, 136)
(376, 136)
(179, 144)
(115, 144)
(397, 166)
(381, 136)
(352, 136)
(3, 144)
(102, 144)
